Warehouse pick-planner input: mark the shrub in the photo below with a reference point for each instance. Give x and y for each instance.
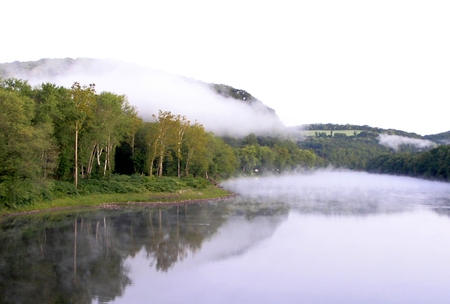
(61, 188)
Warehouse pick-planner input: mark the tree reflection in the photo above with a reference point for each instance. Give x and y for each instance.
(79, 257)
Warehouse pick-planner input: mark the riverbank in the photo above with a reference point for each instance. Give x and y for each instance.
(121, 200)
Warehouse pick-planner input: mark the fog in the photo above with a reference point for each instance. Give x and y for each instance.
(343, 192)
(151, 90)
(395, 141)
(339, 237)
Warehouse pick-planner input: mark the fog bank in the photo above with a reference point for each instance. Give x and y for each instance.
(335, 191)
(395, 141)
(152, 90)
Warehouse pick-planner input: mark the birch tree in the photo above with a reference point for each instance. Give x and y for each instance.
(182, 124)
(161, 140)
(84, 100)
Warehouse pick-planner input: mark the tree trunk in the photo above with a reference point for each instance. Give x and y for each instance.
(161, 160)
(132, 153)
(188, 162)
(91, 161)
(179, 168)
(106, 161)
(76, 155)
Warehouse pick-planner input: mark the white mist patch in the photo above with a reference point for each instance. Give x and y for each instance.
(337, 191)
(152, 90)
(395, 141)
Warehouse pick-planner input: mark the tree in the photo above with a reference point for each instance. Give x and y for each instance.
(134, 124)
(84, 100)
(20, 149)
(195, 145)
(248, 156)
(222, 159)
(161, 139)
(182, 126)
(107, 128)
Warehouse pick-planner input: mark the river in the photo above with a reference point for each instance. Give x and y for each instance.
(317, 237)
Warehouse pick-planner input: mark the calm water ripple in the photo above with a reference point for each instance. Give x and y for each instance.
(328, 237)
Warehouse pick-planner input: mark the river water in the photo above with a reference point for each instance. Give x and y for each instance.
(322, 237)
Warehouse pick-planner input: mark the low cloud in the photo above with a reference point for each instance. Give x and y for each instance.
(152, 90)
(332, 191)
(395, 141)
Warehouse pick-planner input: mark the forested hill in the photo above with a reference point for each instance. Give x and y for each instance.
(58, 140)
(339, 128)
(152, 90)
(56, 67)
(443, 137)
(378, 150)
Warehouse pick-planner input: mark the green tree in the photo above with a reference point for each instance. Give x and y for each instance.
(195, 148)
(108, 126)
(222, 159)
(161, 139)
(182, 125)
(84, 100)
(248, 157)
(20, 150)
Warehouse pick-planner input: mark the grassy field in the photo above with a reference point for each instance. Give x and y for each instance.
(114, 200)
(313, 132)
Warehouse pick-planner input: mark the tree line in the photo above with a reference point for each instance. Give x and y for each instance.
(363, 152)
(52, 135)
(433, 164)
(53, 138)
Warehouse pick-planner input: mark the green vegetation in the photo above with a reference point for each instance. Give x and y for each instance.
(58, 143)
(124, 190)
(433, 164)
(342, 151)
(443, 138)
(61, 143)
(351, 146)
(337, 128)
(330, 132)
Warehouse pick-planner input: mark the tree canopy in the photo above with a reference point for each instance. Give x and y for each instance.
(52, 136)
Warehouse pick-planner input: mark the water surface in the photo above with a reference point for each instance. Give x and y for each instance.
(326, 237)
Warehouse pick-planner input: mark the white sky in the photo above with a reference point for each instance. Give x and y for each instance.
(381, 63)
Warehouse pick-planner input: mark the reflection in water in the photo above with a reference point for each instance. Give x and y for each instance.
(75, 258)
(321, 238)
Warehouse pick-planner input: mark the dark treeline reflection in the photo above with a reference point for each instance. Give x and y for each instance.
(79, 257)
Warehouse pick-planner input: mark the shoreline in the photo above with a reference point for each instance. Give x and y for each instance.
(119, 205)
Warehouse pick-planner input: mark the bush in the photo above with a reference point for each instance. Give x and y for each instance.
(197, 183)
(61, 189)
(14, 192)
(166, 184)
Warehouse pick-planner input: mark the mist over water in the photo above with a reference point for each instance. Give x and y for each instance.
(347, 237)
(338, 191)
(327, 236)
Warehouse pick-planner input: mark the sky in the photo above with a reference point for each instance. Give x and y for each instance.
(379, 63)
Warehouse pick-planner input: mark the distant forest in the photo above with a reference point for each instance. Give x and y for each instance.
(362, 151)
(55, 141)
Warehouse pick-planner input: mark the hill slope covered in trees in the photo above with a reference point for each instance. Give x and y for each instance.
(58, 140)
(216, 106)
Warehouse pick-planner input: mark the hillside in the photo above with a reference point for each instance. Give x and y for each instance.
(216, 106)
(338, 128)
(250, 133)
(353, 146)
(443, 138)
